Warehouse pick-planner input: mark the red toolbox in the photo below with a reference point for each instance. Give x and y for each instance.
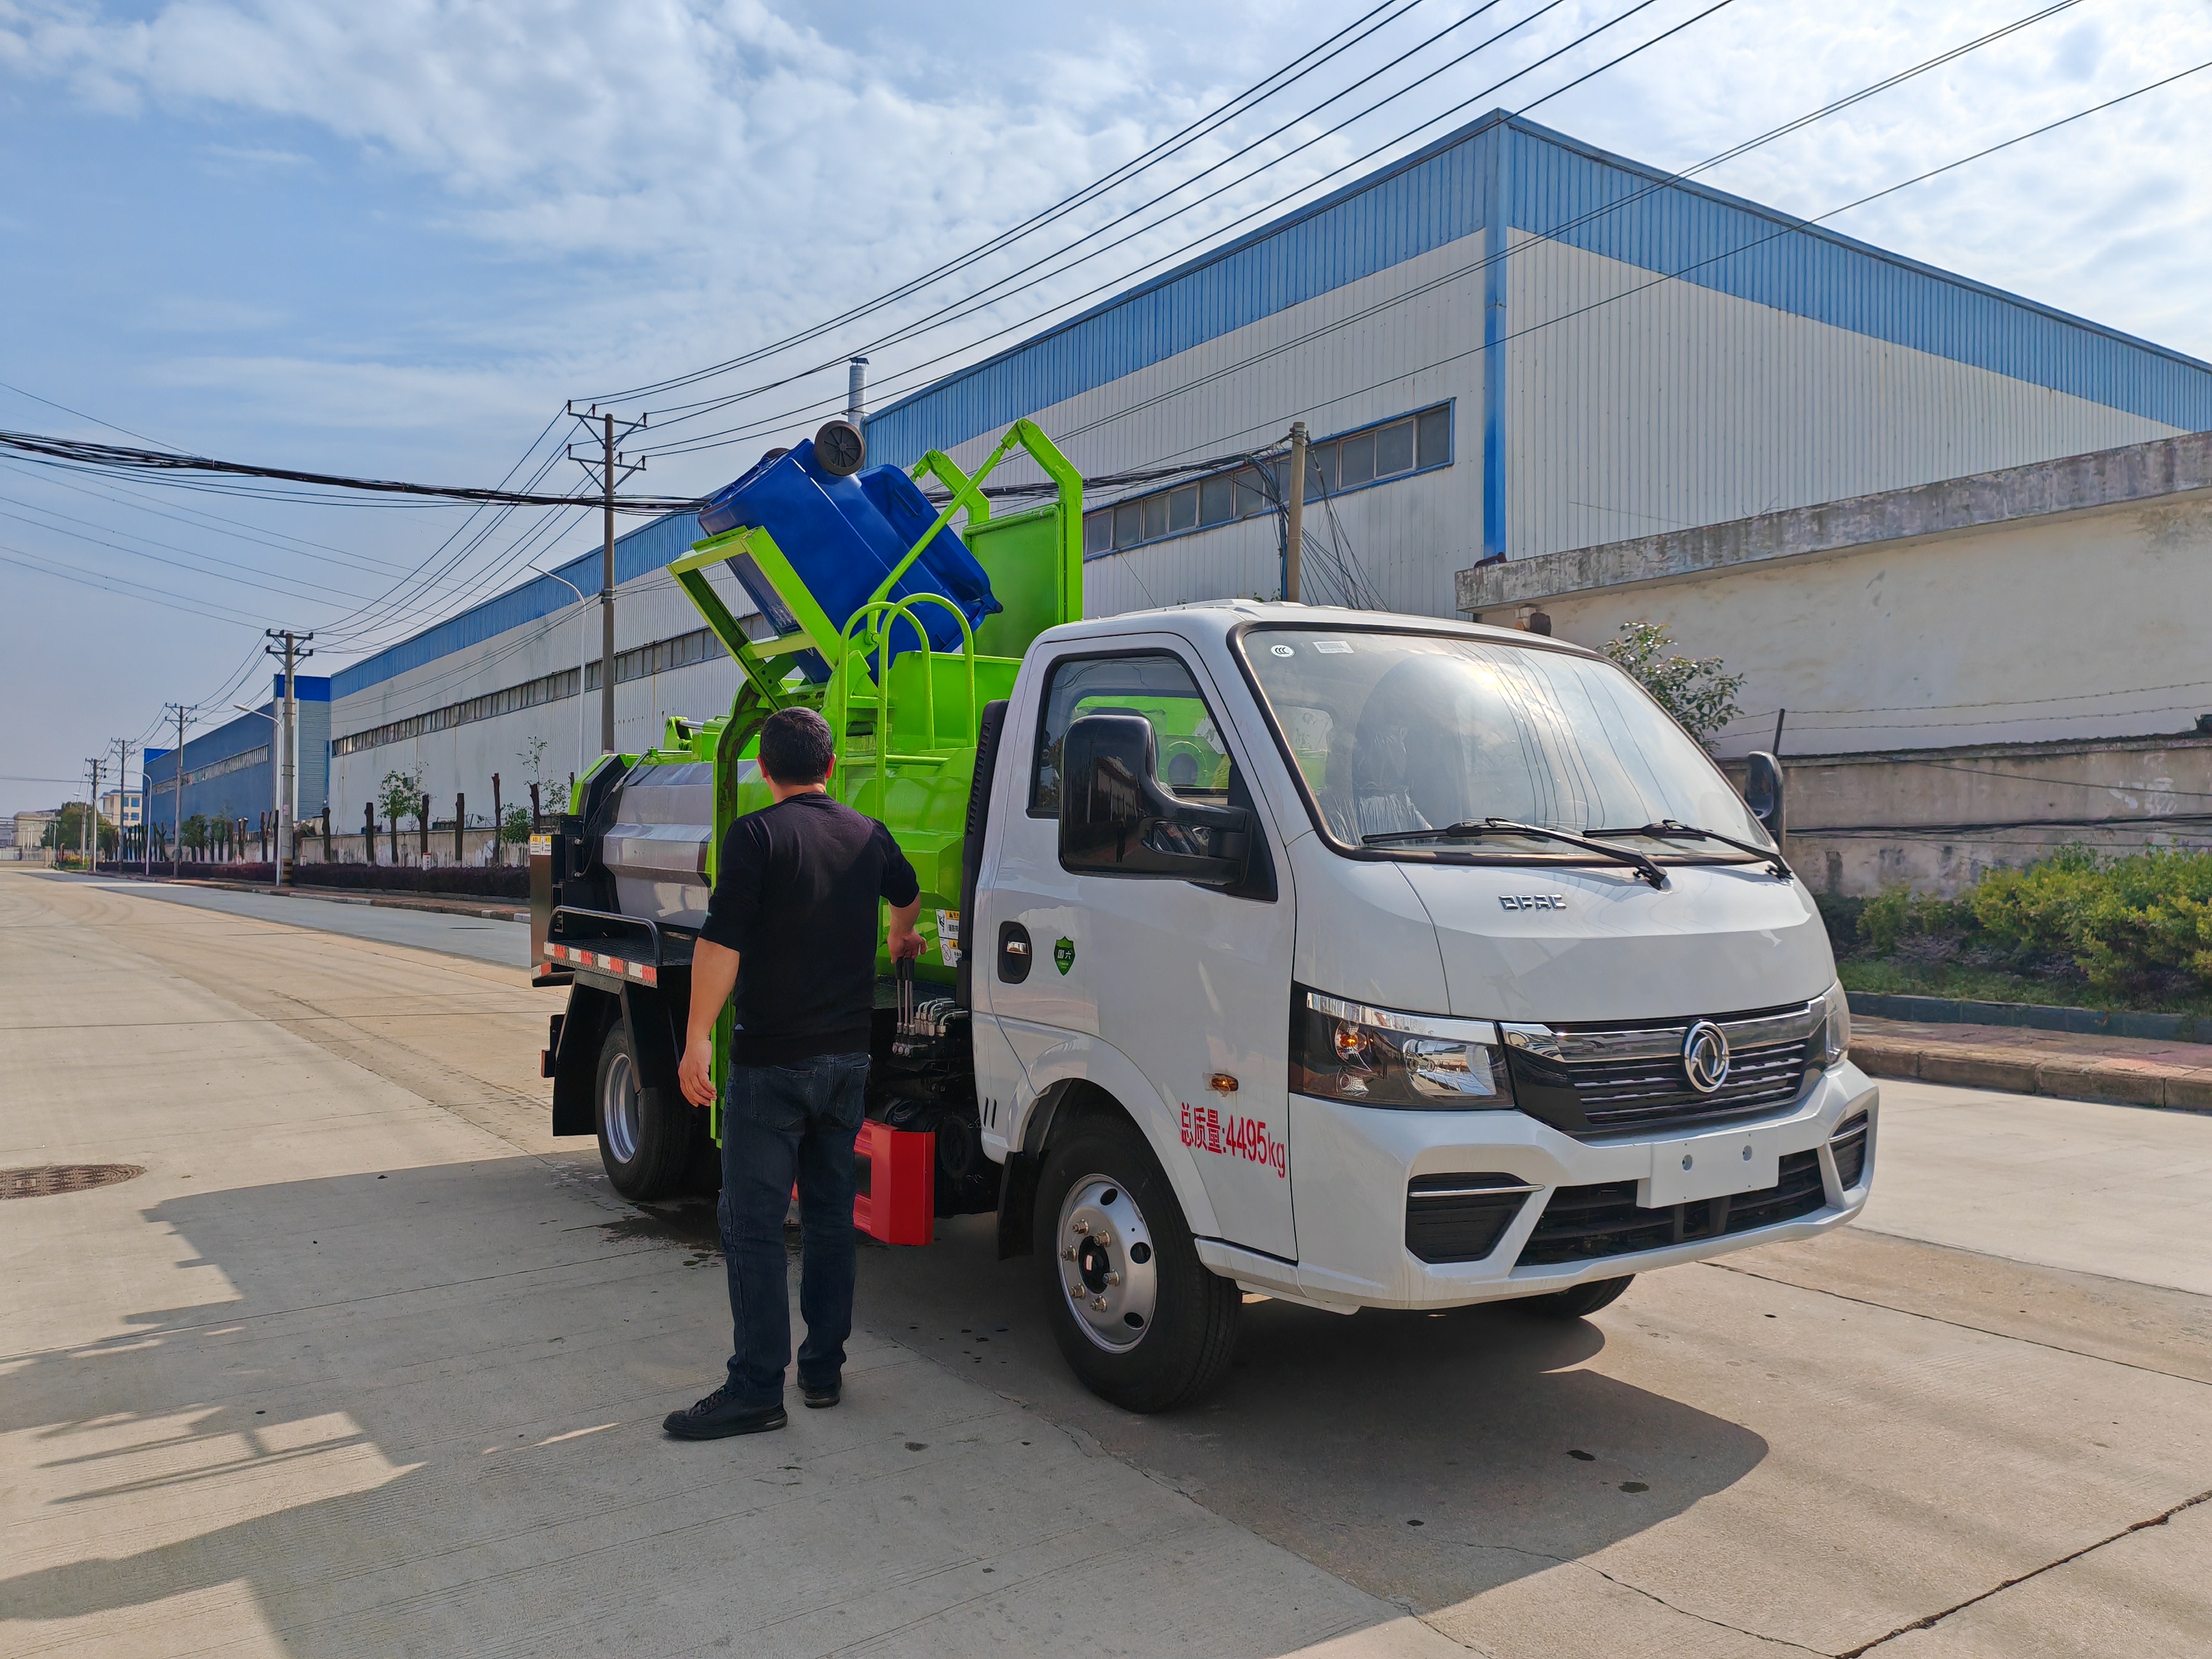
(897, 1200)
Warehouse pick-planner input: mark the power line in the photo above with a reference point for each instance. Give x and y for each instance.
(1792, 228)
(1137, 165)
(970, 303)
(97, 457)
(967, 308)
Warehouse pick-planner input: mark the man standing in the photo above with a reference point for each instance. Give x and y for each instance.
(795, 902)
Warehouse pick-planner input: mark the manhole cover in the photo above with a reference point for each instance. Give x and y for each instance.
(47, 1179)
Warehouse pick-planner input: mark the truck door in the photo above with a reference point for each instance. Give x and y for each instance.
(1188, 986)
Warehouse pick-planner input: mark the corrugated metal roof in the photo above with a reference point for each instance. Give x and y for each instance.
(1435, 196)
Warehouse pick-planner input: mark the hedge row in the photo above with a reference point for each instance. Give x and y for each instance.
(2132, 925)
(509, 882)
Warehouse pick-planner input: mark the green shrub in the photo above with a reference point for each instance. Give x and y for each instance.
(2039, 910)
(1901, 914)
(2155, 917)
(2124, 923)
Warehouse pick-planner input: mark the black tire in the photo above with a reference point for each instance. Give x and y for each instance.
(1582, 1300)
(646, 1145)
(839, 449)
(1102, 1188)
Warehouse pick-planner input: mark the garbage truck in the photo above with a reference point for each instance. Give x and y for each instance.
(1355, 960)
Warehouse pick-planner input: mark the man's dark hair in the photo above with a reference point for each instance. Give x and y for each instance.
(795, 746)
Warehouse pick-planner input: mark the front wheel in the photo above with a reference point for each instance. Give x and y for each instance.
(1579, 1301)
(1137, 1315)
(646, 1145)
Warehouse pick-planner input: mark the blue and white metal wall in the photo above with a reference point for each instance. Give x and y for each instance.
(1622, 354)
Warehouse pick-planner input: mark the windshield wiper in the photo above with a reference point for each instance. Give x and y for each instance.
(1674, 829)
(1471, 831)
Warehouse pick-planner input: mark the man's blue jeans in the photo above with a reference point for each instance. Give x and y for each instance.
(781, 1123)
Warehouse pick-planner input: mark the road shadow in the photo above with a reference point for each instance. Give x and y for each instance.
(433, 1388)
(407, 1405)
(1425, 1455)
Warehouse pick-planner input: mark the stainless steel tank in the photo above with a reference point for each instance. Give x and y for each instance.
(657, 847)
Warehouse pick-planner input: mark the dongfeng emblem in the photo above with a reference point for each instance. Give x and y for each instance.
(1063, 955)
(1706, 1056)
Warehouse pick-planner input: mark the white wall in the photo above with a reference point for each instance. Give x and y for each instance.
(2089, 624)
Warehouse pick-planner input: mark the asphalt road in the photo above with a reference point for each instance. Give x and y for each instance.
(365, 1363)
(478, 937)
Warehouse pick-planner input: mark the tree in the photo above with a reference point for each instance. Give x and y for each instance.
(194, 833)
(514, 827)
(1698, 691)
(400, 794)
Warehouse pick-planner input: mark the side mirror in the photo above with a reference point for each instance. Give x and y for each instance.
(1117, 819)
(1763, 793)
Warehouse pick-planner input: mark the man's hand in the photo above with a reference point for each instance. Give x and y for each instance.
(697, 1073)
(900, 939)
(714, 977)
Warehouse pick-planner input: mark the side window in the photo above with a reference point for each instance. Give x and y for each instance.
(1194, 760)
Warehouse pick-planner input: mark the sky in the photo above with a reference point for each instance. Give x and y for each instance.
(390, 242)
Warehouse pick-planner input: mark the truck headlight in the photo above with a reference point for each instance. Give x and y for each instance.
(1835, 1026)
(1348, 1051)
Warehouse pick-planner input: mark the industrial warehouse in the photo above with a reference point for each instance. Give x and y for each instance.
(1535, 374)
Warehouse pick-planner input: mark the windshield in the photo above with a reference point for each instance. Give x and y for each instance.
(1404, 733)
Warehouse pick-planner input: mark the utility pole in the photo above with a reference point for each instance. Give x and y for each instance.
(287, 743)
(606, 469)
(90, 840)
(1294, 513)
(123, 799)
(176, 844)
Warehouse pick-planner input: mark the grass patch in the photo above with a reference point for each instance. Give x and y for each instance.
(2073, 930)
(1966, 983)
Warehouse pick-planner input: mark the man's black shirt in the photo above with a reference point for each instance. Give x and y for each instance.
(796, 898)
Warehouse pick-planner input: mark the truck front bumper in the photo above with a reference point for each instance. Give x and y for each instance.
(1352, 1168)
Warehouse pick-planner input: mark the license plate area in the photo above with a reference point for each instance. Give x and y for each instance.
(1718, 1164)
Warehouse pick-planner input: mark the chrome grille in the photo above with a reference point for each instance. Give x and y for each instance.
(1612, 1080)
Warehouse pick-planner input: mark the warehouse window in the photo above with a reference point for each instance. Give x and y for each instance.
(1380, 453)
(658, 657)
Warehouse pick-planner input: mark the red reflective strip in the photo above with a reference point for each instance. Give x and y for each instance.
(650, 975)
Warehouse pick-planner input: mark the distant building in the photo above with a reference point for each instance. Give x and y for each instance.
(123, 808)
(31, 827)
(230, 771)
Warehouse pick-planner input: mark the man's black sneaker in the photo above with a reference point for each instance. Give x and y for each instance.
(717, 1416)
(816, 1398)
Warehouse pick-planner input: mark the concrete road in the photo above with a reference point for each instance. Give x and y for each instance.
(479, 938)
(364, 1362)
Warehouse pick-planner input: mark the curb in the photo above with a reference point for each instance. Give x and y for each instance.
(2064, 1077)
(2081, 1022)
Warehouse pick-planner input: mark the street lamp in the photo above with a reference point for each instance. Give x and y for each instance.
(583, 658)
(276, 732)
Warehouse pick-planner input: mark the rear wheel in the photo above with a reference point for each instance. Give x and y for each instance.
(645, 1145)
(1137, 1315)
(1581, 1300)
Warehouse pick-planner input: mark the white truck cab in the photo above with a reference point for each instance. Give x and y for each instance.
(1371, 961)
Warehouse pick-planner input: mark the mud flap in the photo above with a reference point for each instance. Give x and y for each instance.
(1017, 1204)
(576, 1059)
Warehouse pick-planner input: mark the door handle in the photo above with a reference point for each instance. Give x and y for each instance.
(1014, 952)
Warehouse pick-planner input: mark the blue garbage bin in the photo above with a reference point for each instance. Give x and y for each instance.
(844, 535)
